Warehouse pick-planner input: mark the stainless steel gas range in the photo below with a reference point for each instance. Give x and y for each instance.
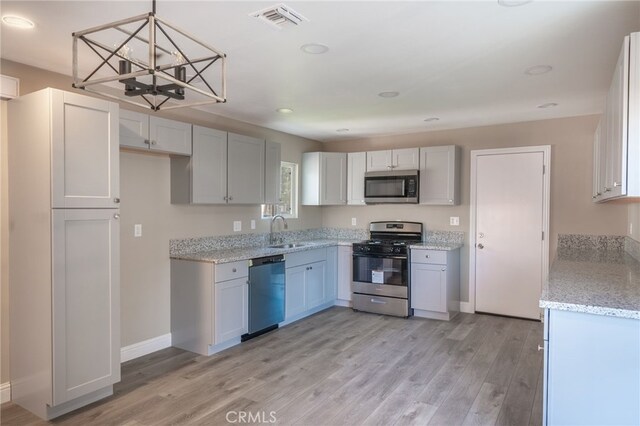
(381, 268)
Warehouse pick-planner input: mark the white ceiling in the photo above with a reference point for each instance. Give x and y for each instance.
(461, 61)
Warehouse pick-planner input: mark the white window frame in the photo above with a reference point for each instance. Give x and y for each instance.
(265, 208)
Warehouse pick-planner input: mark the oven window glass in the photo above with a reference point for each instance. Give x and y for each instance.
(380, 270)
(384, 187)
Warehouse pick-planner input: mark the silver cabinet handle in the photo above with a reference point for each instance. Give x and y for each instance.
(451, 201)
(310, 267)
(147, 142)
(427, 256)
(540, 348)
(230, 198)
(607, 190)
(116, 216)
(594, 197)
(616, 184)
(379, 302)
(234, 270)
(480, 246)
(225, 198)
(443, 269)
(247, 281)
(153, 142)
(116, 200)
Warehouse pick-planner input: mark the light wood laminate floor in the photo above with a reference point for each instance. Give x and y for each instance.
(336, 367)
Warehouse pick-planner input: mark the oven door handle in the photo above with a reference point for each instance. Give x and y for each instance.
(380, 256)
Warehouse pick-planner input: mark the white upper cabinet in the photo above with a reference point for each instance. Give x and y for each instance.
(224, 168)
(617, 140)
(396, 159)
(440, 175)
(84, 150)
(272, 173)
(324, 178)
(141, 131)
(245, 170)
(356, 167)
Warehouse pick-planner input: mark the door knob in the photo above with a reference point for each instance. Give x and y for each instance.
(116, 200)
(116, 216)
(480, 246)
(540, 348)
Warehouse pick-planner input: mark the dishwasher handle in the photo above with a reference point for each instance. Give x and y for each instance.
(266, 260)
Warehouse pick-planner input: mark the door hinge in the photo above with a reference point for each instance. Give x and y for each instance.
(542, 235)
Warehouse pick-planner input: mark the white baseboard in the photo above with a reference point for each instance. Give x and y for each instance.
(5, 392)
(467, 307)
(145, 347)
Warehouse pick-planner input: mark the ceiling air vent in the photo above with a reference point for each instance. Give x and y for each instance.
(279, 16)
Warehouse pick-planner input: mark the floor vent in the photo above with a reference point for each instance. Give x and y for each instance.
(279, 16)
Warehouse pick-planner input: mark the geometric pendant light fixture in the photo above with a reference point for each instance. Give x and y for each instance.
(146, 61)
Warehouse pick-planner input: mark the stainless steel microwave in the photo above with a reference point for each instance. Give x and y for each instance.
(396, 186)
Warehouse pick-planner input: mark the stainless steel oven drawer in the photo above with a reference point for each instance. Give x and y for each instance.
(380, 289)
(381, 305)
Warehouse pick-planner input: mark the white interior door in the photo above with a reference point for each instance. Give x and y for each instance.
(510, 218)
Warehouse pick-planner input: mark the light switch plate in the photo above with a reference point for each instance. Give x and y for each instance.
(354, 222)
(237, 226)
(137, 230)
(454, 221)
(253, 224)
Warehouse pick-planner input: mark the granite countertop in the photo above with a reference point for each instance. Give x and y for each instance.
(246, 253)
(436, 246)
(598, 282)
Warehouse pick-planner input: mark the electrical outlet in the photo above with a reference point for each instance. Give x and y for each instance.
(137, 230)
(354, 222)
(454, 221)
(237, 226)
(253, 224)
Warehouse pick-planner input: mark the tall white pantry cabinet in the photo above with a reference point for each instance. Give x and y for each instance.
(64, 240)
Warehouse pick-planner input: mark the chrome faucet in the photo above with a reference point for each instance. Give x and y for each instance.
(273, 219)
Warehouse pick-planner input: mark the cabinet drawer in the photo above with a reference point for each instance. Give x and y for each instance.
(437, 257)
(230, 271)
(304, 257)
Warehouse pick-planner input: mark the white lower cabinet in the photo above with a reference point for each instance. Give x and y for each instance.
(310, 284)
(592, 369)
(209, 305)
(295, 294)
(435, 283)
(345, 265)
(231, 309)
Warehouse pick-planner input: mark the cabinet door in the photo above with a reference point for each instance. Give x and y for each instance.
(617, 109)
(429, 287)
(295, 290)
(345, 263)
(272, 172)
(356, 167)
(333, 178)
(378, 161)
(209, 166)
(85, 152)
(172, 137)
(134, 129)
(331, 281)
(231, 309)
(315, 276)
(245, 170)
(86, 302)
(405, 159)
(438, 175)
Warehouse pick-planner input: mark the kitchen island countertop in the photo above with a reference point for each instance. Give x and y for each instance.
(594, 281)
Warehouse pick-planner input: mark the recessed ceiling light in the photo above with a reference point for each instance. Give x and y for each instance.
(342, 130)
(17, 22)
(513, 3)
(284, 110)
(431, 119)
(314, 48)
(388, 94)
(548, 105)
(538, 69)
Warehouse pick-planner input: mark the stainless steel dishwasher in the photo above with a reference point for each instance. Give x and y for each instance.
(266, 295)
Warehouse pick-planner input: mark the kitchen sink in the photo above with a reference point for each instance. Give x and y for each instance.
(288, 245)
